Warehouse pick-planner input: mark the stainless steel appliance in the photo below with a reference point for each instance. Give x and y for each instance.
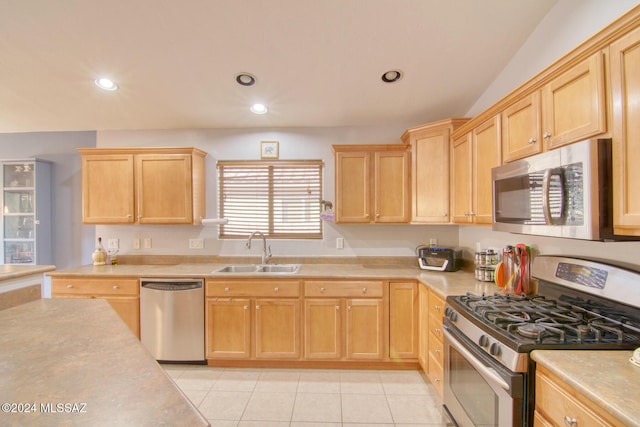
(439, 259)
(488, 375)
(172, 319)
(566, 192)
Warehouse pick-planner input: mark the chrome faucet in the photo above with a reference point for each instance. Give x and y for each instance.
(265, 256)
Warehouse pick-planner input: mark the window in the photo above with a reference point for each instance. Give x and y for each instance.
(279, 198)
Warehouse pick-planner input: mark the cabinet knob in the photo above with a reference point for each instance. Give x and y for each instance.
(139, 216)
(349, 308)
(69, 286)
(227, 289)
(337, 307)
(437, 351)
(276, 290)
(437, 380)
(129, 215)
(257, 307)
(116, 286)
(366, 215)
(533, 140)
(364, 290)
(437, 330)
(246, 307)
(570, 422)
(377, 215)
(322, 290)
(437, 307)
(444, 214)
(546, 135)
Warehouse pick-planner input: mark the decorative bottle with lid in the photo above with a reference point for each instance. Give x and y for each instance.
(99, 255)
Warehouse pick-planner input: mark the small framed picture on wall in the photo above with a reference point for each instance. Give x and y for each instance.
(268, 149)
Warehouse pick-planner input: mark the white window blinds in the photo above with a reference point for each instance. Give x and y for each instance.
(279, 198)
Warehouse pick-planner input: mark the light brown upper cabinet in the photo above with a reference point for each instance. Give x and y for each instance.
(625, 88)
(567, 109)
(430, 146)
(472, 157)
(372, 183)
(143, 185)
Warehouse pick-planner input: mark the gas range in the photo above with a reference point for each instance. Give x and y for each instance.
(581, 304)
(572, 310)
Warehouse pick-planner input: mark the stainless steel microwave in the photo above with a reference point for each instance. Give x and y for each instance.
(566, 192)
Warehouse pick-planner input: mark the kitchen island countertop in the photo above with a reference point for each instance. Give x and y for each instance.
(74, 362)
(606, 378)
(11, 271)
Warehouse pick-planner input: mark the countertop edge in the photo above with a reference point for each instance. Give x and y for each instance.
(559, 362)
(10, 272)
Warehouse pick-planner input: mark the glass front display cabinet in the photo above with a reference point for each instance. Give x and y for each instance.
(26, 212)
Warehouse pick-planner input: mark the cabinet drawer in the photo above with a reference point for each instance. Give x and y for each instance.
(253, 288)
(344, 288)
(436, 305)
(80, 286)
(556, 404)
(435, 347)
(435, 327)
(436, 374)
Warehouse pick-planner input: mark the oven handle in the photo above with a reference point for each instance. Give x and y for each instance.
(485, 370)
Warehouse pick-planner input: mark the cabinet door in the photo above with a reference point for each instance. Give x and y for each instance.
(487, 154)
(573, 104)
(107, 189)
(128, 308)
(625, 88)
(430, 178)
(391, 186)
(323, 328)
(163, 189)
(521, 136)
(353, 187)
(461, 184)
(277, 328)
(364, 335)
(228, 329)
(403, 320)
(423, 353)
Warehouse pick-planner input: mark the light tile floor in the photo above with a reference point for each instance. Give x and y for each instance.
(309, 397)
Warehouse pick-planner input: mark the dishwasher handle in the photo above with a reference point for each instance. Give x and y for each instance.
(172, 286)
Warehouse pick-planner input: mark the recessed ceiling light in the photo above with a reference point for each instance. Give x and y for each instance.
(259, 109)
(246, 79)
(106, 84)
(391, 76)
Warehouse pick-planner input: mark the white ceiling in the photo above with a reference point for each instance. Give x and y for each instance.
(317, 62)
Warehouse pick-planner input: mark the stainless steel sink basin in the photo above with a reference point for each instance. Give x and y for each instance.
(245, 268)
(279, 268)
(260, 268)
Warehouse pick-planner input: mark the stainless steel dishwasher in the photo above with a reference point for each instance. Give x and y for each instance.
(172, 319)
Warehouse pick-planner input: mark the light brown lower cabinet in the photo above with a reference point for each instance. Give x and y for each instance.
(403, 320)
(435, 370)
(344, 320)
(123, 294)
(247, 319)
(558, 404)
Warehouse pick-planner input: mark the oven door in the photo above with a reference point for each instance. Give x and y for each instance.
(478, 391)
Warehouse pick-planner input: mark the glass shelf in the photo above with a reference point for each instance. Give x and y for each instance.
(19, 175)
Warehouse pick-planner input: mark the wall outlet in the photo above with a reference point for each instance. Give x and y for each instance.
(147, 242)
(113, 244)
(340, 242)
(136, 243)
(196, 243)
(433, 241)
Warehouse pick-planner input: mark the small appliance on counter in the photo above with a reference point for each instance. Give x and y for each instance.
(439, 258)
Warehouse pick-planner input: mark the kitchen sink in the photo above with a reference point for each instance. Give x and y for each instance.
(279, 268)
(246, 268)
(260, 268)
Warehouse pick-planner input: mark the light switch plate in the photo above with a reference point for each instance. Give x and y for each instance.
(113, 244)
(147, 242)
(339, 242)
